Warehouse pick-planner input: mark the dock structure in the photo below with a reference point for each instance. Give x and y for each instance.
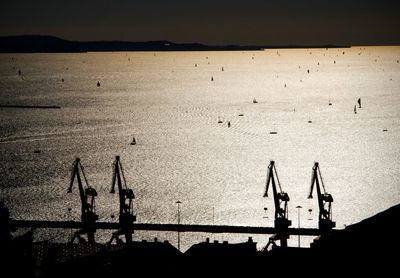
(166, 227)
(127, 219)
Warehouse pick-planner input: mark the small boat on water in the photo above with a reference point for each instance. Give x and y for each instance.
(133, 141)
(254, 100)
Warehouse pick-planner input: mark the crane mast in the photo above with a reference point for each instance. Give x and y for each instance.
(325, 200)
(126, 196)
(281, 209)
(87, 197)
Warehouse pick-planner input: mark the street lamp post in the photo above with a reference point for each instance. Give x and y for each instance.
(265, 213)
(213, 216)
(70, 243)
(298, 221)
(70, 219)
(179, 222)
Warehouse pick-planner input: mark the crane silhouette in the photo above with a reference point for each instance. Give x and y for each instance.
(281, 209)
(126, 196)
(87, 195)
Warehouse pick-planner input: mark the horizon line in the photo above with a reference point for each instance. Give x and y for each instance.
(21, 44)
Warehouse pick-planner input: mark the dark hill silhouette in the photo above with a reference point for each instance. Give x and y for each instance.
(378, 233)
(370, 246)
(49, 44)
(37, 43)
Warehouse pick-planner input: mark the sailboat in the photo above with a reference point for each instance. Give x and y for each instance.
(133, 141)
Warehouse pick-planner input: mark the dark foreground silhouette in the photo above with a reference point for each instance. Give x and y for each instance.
(368, 247)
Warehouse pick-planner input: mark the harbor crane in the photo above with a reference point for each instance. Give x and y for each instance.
(281, 210)
(325, 223)
(126, 216)
(87, 196)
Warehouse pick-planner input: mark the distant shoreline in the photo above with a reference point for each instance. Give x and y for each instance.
(50, 44)
(31, 106)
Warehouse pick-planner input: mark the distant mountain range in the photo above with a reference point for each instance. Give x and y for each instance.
(45, 44)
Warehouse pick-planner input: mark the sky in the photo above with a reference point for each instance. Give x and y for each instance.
(213, 22)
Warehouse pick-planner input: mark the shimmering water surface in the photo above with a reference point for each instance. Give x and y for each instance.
(169, 103)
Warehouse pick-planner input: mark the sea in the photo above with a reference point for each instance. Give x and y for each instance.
(293, 106)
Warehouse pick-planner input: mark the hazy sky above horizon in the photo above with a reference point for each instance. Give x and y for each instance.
(262, 22)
